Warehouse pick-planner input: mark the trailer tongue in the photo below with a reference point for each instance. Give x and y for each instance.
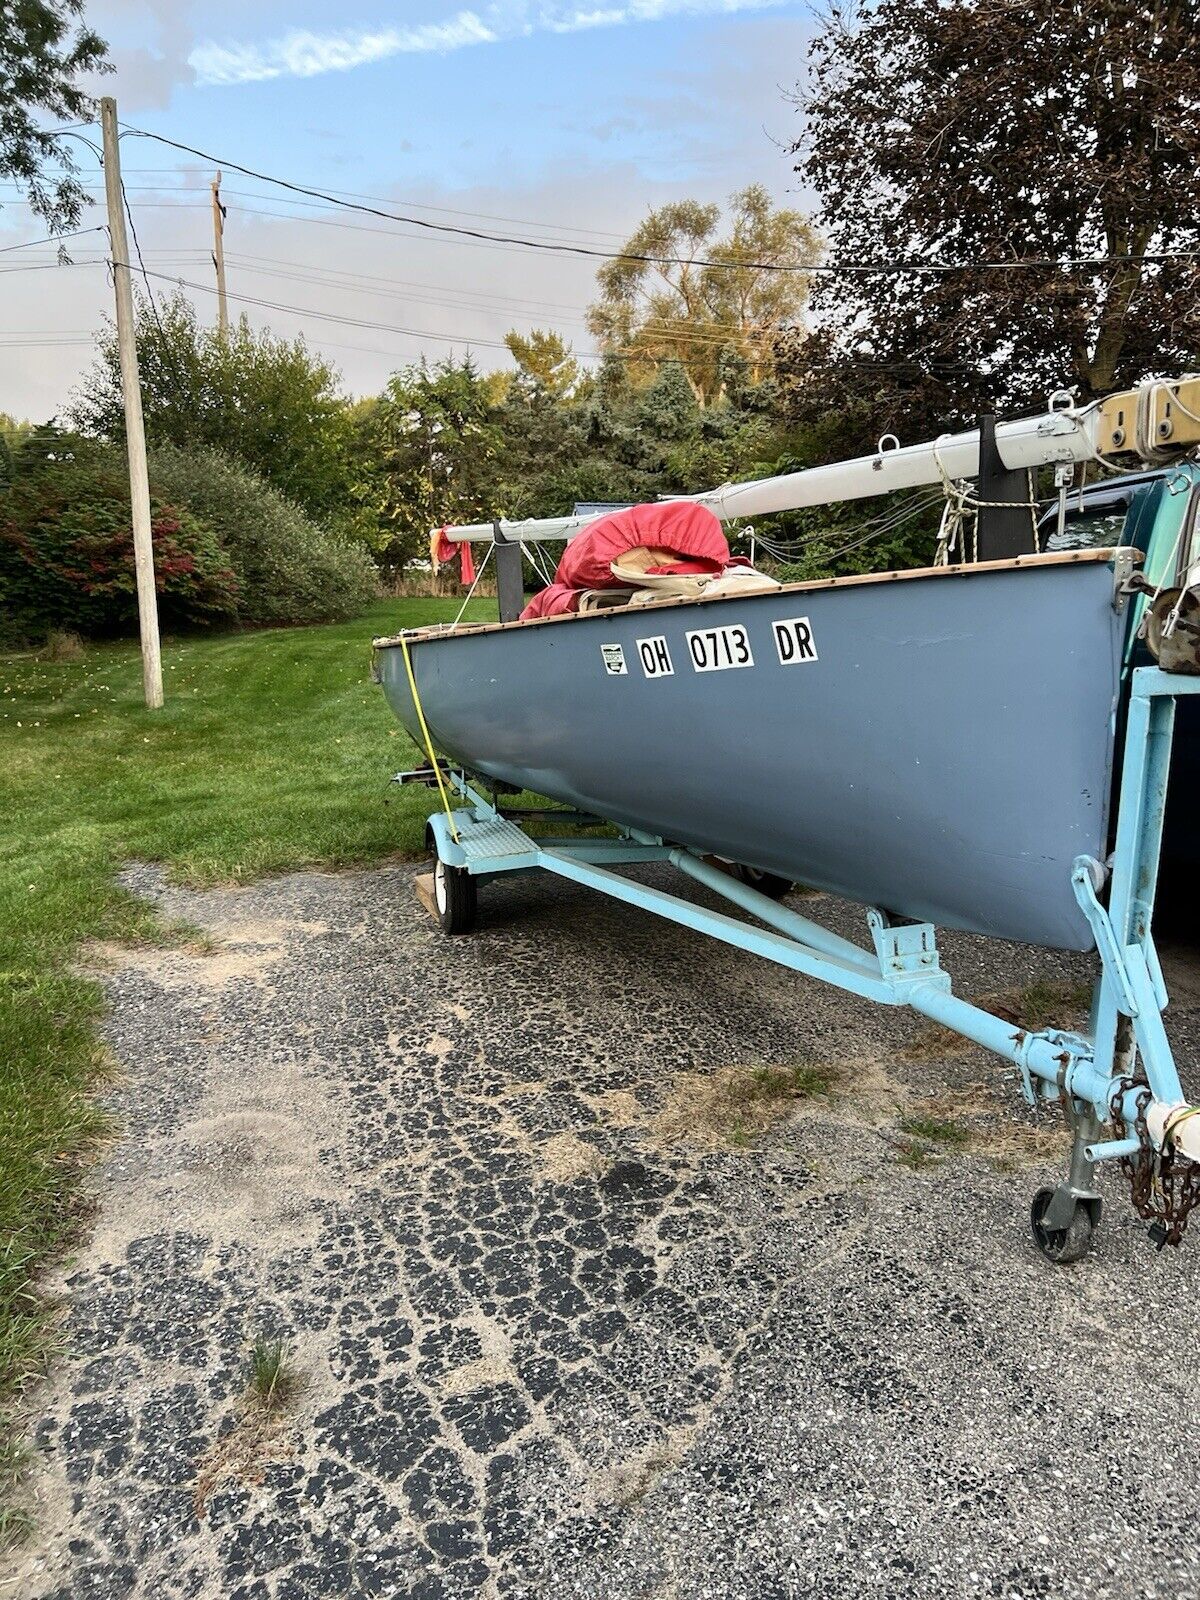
(941, 749)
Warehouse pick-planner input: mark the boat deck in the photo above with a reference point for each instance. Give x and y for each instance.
(976, 569)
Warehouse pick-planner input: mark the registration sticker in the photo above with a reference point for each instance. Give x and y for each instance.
(614, 660)
(717, 649)
(655, 657)
(794, 640)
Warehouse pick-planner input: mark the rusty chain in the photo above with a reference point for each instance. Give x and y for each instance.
(1165, 1188)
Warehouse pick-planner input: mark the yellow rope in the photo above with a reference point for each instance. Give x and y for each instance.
(1173, 1121)
(433, 760)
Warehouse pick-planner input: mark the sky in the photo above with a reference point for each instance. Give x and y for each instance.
(552, 119)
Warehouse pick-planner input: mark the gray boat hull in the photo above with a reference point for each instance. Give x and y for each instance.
(938, 745)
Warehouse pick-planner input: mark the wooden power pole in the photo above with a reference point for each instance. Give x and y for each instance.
(218, 215)
(135, 433)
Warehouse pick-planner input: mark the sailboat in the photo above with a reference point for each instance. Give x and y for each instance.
(981, 745)
(938, 742)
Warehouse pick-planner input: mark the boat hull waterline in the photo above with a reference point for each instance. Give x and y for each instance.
(939, 745)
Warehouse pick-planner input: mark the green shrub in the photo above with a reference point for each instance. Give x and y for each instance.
(288, 568)
(66, 549)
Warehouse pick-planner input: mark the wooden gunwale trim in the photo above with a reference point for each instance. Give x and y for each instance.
(1058, 558)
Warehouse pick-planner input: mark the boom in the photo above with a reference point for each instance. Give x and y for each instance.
(1156, 421)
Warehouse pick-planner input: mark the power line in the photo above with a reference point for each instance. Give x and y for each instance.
(52, 238)
(713, 333)
(858, 268)
(696, 340)
(470, 340)
(353, 194)
(451, 228)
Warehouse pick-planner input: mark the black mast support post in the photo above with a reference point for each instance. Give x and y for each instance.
(1006, 528)
(510, 578)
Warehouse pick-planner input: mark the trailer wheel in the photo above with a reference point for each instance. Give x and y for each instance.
(1061, 1245)
(456, 898)
(768, 883)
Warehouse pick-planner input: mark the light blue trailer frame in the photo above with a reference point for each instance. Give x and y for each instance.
(1091, 1073)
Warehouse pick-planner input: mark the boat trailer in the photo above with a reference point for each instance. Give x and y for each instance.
(1117, 1083)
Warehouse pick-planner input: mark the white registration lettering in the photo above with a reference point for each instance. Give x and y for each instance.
(717, 649)
(655, 657)
(794, 640)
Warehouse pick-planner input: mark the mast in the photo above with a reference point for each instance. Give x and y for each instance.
(1156, 422)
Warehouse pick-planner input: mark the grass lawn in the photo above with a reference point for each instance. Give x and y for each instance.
(272, 751)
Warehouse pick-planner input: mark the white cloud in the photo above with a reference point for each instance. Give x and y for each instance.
(307, 55)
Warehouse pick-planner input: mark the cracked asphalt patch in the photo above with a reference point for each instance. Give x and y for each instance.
(544, 1350)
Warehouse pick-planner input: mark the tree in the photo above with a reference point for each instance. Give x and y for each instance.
(670, 308)
(269, 403)
(428, 458)
(44, 51)
(988, 131)
(544, 360)
(668, 408)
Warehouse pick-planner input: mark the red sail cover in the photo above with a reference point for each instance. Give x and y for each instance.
(690, 532)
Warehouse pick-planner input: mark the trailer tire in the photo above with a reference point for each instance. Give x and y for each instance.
(456, 898)
(1061, 1245)
(768, 883)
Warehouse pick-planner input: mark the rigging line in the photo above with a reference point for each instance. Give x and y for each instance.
(895, 268)
(885, 523)
(53, 238)
(855, 544)
(470, 592)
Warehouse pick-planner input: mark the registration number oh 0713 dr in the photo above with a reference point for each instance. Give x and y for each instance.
(717, 649)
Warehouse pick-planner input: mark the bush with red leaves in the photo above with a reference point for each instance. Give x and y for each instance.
(66, 551)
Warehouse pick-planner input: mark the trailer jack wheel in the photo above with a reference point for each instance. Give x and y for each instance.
(1071, 1239)
(456, 898)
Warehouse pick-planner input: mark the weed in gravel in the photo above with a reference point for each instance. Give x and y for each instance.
(1047, 1002)
(629, 1484)
(937, 1130)
(734, 1105)
(972, 1120)
(271, 1380)
(915, 1156)
(928, 1138)
(256, 1434)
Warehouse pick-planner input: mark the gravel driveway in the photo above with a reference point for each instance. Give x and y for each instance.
(555, 1331)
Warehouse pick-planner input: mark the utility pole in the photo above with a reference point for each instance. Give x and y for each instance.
(218, 215)
(135, 433)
